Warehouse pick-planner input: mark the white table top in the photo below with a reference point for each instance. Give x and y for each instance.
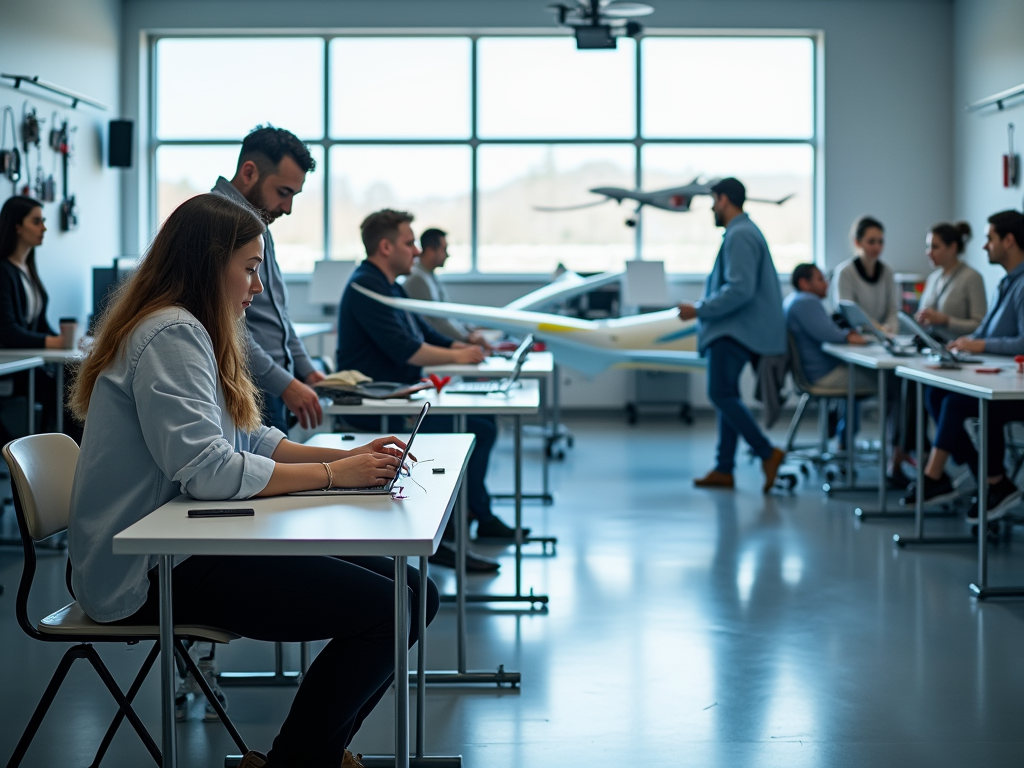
(304, 330)
(873, 356)
(1007, 384)
(48, 355)
(538, 365)
(522, 400)
(316, 525)
(8, 367)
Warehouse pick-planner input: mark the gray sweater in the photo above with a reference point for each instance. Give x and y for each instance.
(424, 285)
(879, 299)
(157, 427)
(961, 296)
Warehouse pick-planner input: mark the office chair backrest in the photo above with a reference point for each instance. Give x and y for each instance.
(796, 366)
(42, 471)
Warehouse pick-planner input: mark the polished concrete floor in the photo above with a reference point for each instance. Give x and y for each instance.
(686, 628)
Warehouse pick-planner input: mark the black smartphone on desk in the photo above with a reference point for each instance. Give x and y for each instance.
(247, 512)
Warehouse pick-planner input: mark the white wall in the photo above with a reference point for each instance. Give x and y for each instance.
(75, 44)
(989, 59)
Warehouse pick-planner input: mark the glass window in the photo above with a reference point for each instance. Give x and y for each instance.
(185, 171)
(727, 87)
(222, 88)
(689, 242)
(542, 87)
(515, 237)
(431, 182)
(434, 98)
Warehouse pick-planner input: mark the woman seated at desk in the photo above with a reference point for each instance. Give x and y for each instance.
(172, 409)
(953, 303)
(865, 279)
(23, 301)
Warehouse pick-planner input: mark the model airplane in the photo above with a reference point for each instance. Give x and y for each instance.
(657, 341)
(675, 199)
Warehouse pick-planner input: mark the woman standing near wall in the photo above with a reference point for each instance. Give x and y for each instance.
(865, 280)
(953, 303)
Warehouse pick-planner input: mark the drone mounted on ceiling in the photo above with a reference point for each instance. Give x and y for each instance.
(598, 23)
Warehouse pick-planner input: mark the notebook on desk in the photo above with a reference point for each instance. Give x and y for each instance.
(375, 490)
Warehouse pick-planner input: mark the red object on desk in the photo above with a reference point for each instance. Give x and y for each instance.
(987, 370)
(1019, 360)
(438, 382)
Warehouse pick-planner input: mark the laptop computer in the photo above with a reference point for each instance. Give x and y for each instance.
(858, 319)
(499, 386)
(947, 357)
(374, 490)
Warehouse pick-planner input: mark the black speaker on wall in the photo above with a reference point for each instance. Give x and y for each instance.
(119, 152)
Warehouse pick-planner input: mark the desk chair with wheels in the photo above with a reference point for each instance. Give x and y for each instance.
(42, 470)
(818, 456)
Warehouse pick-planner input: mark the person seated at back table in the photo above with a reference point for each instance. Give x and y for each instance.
(1001, 333)
(811, 326)
(422, 284)
(865, 279)
(172, 408)
(393, 345)
(23, 305)
(953, 302)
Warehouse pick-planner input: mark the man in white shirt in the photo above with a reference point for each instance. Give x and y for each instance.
(423, 284)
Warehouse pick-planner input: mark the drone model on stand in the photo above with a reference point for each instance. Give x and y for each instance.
(597, 23)
(675, 199)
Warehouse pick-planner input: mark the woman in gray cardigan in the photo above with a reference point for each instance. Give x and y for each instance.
(172, 409)
(864, 279)
(953, 303)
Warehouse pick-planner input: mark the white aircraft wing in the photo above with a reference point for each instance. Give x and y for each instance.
(655, 341)
(562, 288)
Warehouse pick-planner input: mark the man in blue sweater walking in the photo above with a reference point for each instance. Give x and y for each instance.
(739, 319)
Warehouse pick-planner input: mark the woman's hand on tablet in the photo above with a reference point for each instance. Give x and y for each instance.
(364, 470)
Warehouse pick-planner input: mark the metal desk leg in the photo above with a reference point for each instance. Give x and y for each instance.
(169, 746)
(851, 440)
(401, 664)
(883, 461)
(421, 661)
(919, 537)
(981, 589)
(31, 401)
(461, 676)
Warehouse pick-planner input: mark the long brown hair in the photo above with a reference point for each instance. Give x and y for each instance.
(13, 215)
(185, 266)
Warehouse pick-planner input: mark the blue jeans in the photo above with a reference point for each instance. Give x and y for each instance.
(726, 359)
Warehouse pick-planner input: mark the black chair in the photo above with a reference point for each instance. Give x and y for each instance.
(42, 470)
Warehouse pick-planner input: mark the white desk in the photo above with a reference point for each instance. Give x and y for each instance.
(310, 525)
(55, 357)
(986, 387)
(874, 357)
(538, 365)
(25, 363)
(521, 401)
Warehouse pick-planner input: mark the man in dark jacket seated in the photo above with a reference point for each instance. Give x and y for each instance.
(393, 345)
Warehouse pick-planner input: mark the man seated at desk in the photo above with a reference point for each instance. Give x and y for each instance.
(422, 284)
(1001, 333)
(393, 345)
(811, 326)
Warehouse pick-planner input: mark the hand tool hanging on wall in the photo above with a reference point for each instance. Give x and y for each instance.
(68, 210)
(30, 137)
(1011, 162)
(10, 159)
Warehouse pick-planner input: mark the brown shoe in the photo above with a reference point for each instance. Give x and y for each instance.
(771, 468)
(352, 761)
(253, 759)
(715, 479)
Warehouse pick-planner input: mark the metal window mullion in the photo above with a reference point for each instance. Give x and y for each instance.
(326, 170)
(638, 234)
(474, 143)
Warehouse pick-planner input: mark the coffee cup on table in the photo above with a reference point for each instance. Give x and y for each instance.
(68, 331)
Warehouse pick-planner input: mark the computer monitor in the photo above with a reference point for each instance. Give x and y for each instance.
(105, 281)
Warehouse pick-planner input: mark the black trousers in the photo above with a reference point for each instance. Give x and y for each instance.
(348, 601)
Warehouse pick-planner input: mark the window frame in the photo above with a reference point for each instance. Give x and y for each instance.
(815, 141)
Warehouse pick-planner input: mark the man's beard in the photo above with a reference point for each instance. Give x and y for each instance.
(255, 199)
(719, 221)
